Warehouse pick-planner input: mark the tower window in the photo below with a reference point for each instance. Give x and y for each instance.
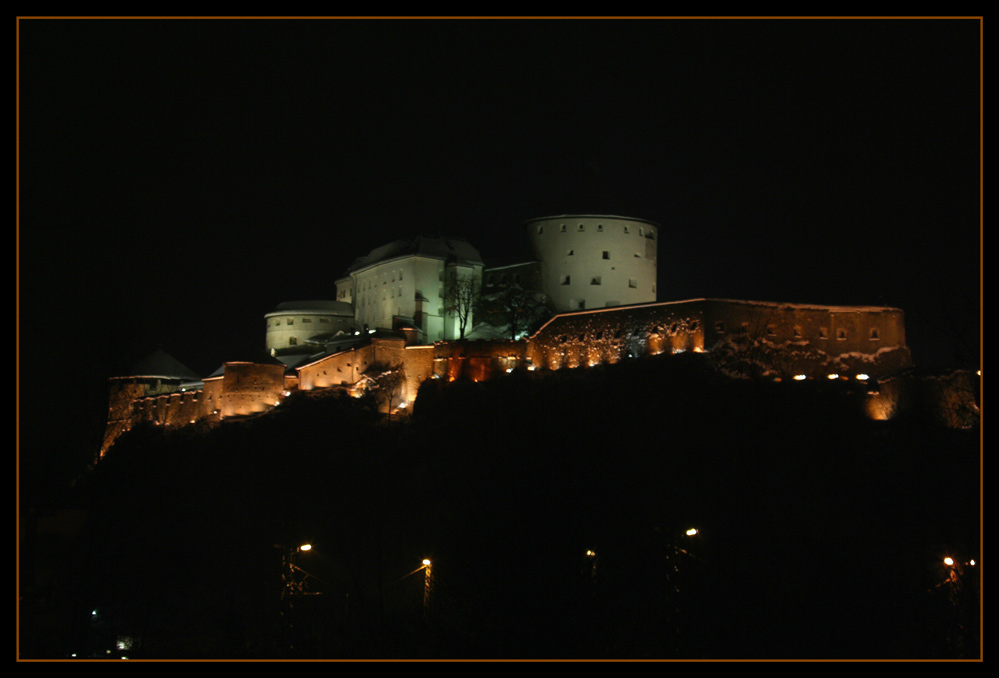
(606, 254)
(581, 228)
(569, 253)
(565, 280)
(875, 334)
(632, 283)
(562, 228)
(595, 280)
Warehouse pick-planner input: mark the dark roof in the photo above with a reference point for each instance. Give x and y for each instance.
(432, 246)
(161, 364)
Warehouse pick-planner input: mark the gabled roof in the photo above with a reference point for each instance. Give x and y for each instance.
(161, 365)
(430, 246)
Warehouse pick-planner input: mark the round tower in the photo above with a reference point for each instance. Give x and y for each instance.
(595, 261)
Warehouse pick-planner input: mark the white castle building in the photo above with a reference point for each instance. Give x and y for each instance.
(580, 262)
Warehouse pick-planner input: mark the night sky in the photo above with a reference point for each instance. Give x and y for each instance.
(179, 178)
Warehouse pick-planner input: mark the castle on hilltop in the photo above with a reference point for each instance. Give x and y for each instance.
(409, 309)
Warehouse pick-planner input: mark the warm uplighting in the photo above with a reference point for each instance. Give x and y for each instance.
(305, 547)
(832, 376)
(971, 562)
(862, 377)
(800, 377)
(948, 561)
(590, 554)
(426, 562)
(691, 532)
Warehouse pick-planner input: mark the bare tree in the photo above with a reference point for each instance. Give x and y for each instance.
(461, 296)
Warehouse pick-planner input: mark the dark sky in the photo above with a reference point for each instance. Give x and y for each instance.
(179, 178)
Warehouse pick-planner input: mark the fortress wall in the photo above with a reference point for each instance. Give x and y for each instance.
(418, 366)
(248, 388)
(339, 369)
(590, 338)
(477, 360)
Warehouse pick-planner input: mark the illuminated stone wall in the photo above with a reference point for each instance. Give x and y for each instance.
(340, 369)
(607, 336)
(835, 330)
(249, 388)
(861, 339)
(477, 360)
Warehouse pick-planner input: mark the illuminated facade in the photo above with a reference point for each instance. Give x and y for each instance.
(391, 312)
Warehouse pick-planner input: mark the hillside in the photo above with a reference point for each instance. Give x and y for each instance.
(553, 508)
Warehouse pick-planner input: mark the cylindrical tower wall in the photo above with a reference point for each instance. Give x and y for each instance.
(595, 261)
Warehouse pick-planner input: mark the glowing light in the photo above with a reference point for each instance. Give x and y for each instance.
(862, 377)
(305, 547)
(691, 532)
(948, 561)
(590, 554)
(426, 562)
(971, 562)
(800, 377)
(833, 376)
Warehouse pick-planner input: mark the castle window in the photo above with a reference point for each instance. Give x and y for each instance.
(626, 230)
(641, 231)
(292, 341)
(582, 304)
(600, 228)
(606, 254)
(771, 330)
(565, 280)
(562, 228)
(541, 229)
(841, 335)
(720, 326)
(637, 255)
(632, 283)
(875, 334)
(797, 332)
(306, 320)
(581, 228)
(291, 321)
(595, 280)
(569, 253)
(823, 333)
